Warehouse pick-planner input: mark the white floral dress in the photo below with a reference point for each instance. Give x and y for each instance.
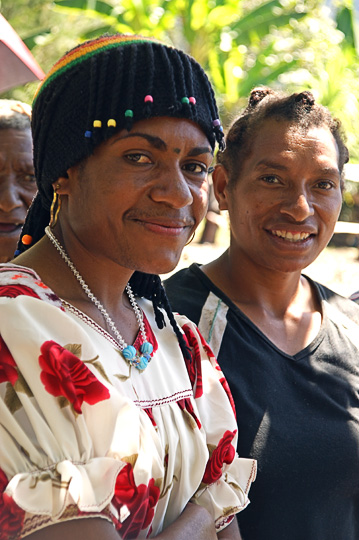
(82, 434)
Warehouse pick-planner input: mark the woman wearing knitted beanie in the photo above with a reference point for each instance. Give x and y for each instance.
(112, 408)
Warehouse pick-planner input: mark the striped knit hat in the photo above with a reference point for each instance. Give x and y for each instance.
(107, 84)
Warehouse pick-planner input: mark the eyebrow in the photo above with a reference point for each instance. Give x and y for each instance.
(156, 142)
(272, 164)
(281, 167)
(200, 150)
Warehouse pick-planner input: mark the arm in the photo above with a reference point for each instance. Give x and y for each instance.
(231, 532)
(78, 529)
(193, 518)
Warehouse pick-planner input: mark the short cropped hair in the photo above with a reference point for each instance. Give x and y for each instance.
(298, 109)
(14, 114)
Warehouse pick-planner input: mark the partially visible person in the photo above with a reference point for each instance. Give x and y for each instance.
(116, 421)
(17, 180)
(288, 346)
(211, 221)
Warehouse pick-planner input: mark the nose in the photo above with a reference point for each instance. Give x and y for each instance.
(298, 206)
(9, 193)
(172, 188)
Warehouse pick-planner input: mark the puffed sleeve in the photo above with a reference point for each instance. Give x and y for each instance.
(227, 477)
(51, 467)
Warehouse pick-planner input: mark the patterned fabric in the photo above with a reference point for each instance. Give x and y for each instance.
(82, 434)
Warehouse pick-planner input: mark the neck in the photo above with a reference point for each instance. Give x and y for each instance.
(105, 278)
(136, 358)
(246, 285)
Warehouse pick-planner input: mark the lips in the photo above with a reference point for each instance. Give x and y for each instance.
(164, 225)
(10, 228)
(166, 229)
(291, 236)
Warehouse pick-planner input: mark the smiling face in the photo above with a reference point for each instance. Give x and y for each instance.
(140, 196)
(285, 199)
(17, 186)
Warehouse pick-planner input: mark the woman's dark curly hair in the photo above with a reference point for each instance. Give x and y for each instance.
(298, 109)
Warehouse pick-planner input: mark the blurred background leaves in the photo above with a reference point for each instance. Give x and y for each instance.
(286, 44)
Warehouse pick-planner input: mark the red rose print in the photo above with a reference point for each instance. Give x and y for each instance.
(194, 368)
(227, 390)
(63, 374)
(140, 500)
(11, 516)
(12, 291)
(8, 371)
(125, 489)
(224, 453)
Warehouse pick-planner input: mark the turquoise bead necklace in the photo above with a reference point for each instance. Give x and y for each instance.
(137, 358)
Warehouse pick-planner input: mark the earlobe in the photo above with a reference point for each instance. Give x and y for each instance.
(61, 185)
(220, 182)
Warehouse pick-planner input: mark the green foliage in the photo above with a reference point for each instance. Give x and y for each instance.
(285, 44)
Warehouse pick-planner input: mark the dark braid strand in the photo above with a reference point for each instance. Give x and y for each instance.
(100, 97)
(186, 107)
(35, 223)
(147, 109)
(187, 62)
(116, 96)
(150, 286)
(171, 77)
(92, 103)
(131, 86)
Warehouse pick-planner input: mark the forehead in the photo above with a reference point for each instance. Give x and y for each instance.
(280, 138)
(168, 129)
(16, 140)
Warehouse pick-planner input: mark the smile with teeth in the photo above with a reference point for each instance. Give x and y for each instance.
(291, 237)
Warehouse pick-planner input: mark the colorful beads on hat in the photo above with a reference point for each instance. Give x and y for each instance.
(26, 240)
(192, 100)
(185, 100)
(88, 134)
(111, 122)
(97, 123)
(148, 99)
(129, 113)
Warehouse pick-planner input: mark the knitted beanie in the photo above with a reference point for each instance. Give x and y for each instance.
(107, 84)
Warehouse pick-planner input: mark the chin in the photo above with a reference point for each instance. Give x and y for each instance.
(163, 266)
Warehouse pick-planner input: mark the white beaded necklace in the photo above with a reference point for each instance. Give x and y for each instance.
(139, 359)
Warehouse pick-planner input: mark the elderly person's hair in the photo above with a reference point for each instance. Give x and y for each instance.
(299, 109)
(14, 114)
